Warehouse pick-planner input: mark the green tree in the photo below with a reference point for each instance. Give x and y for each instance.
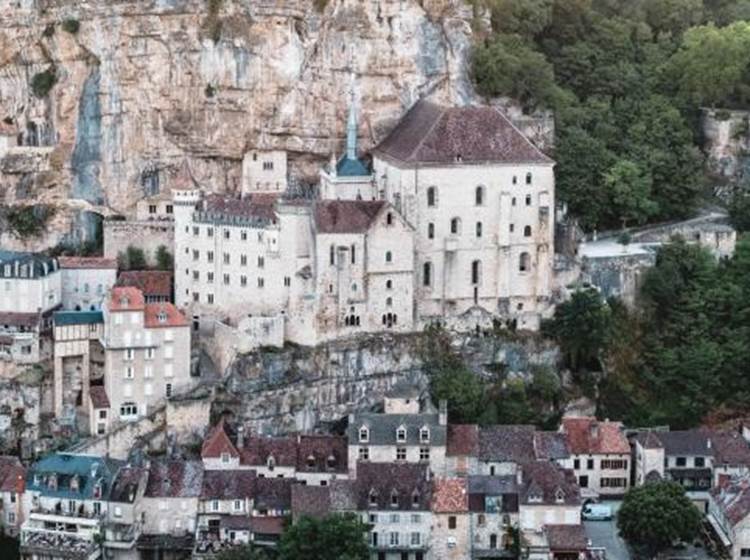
(338, 536)
(164, 259)
(463, 389)
(694, 68)
(522, 17)
(581, 325)
(507, 65)
(655, 515)
(739, 210)
(132, 259)
(630, 189)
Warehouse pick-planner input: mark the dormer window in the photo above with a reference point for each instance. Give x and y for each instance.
(373, 498)
(559, 496)
(162, 317)
(225, 457)
(331, 462)
(74, 484)
(394, 499)
(535, 498)
(270, 462)
(310, 461)
(364, 434)
(52, 482)
(401, 434)
(424, 435)
(124, 301)
(415, 499)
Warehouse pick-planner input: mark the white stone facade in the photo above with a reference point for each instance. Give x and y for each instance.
(264, 171)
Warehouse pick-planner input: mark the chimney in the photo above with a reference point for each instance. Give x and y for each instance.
(443, 412)
(240, 436)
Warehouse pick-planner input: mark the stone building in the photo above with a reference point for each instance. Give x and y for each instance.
(30, 290)
(601, 455)
(122, 525)
(403, 433)
(12, 487)
(493, 505)
(156, 285)
(264, 171)
(729, 515)
(86, 281)
(481, 199)
(147, 353)
(450, 537)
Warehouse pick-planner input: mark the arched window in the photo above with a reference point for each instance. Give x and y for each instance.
(524, 262)
(479, 195)
(332, 255)
(515, 180)
(476, 272)
(364, 434)
(456, 226)
(513, 201)
(346, 321)
(427, 274)
(527, 231)
(432, 196)
(479, 229)
(528, 200)
(430, 231)
(389, 284)
(388, 256)
(528, 178)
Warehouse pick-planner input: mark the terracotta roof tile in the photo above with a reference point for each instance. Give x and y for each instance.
(12, 474)
(566, 537)
(161, 315)
(733, 499)
(218, 442)
(153, 283)
(512, 443)
(730, 448)
(313, 501)
(346, 216)
(228, 485)
(321, 453)
(99, 397)
(430, 133)
(175, 479)
(450, 495)
(258, 449)
(87, 262)
(126, 298)
(463, 439)
(587, 435)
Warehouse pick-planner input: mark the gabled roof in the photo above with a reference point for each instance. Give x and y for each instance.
(98, 396)
(382, 428)
(463, 439)
(678, 442)
(218, 442)
(551, 446)
(733, 499)
(163, 315)
(347, 167)
(322, 453)
(153, 283)
(126, 298)
(228, 485)
(313, 501)
(403, 482)
(587, 435)
(87, 262)
(512, 443)
(433, 134)
(258, 449)
(730, 448)
(346, 216)
(450, 495)
(544, 479)
(89, 471)
(12, 474)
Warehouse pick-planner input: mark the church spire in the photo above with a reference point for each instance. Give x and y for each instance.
(351, 126)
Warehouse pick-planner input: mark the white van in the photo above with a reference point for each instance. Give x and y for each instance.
(596, 512)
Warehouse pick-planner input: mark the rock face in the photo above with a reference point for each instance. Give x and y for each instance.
(140, 85)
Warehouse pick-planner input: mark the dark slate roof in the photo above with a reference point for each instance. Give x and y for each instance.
(253, 210)
(566, 537)
(29, 320)
(383, 428)
(257, 450)
(343, 495)
(543, 479)
(64, 318)
(463, 439)
(235, 522)
(320, 453)
(492, 485)
(730, 448)
(432, 134)
(90, 471)
(347, 167)
(125, 485)
(273, 493)
(513, 443)
(313, 501)
(175, 479)
(384, 480)
(551, 446)
(228, 485)
(346, 216)
(680, 442)
(165, 542)
(26, 265)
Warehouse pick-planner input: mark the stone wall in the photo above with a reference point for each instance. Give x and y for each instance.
(21, 409)
(296, 388)
(727, 142)
(147, 235)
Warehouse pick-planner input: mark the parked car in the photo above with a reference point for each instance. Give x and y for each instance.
(596, 512)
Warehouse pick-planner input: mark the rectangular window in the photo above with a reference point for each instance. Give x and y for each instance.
(401, 454)
(451, 522)
(395, 518)
(364, 454)
(170, 209)
(168, 352)
(416, 539)
(287, 281)
(210, 298)
(590, 464)
(243, 260)
(394, 538)
(614, 464)
(699, 462)
(196, 230)
(168, 371)
(210, 231)
(243, 235)
(129, 355)
(196, 275)
(576, 464)
(613, 482)
(261, 282)
(745, 552)
(210, 277)
(168, 390)
(681, 461)
(149, 353)
(226, 279)
(196, 297)
(226, 258)
(196, 254)
(416, 518)
(129, 372)
(243, 281)
(210, 256)
(148, 372)
(424, 453)
(261, 262)
(226, 234)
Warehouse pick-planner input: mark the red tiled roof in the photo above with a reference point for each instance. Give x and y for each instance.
(259, 205)
(463, 439)
(320, 453)
(228, 485)
(346, 216)
(99, 397)
(267, 525)
(430, 133)
(12, 474)
(258, 449)
(589, 435)
(87, 262)
(174, 479)
(126, 298)
(566, 537)
(160, 315)
(730, 448)
(150, 282)
(218, 442)
(450, 495)
(733, 499)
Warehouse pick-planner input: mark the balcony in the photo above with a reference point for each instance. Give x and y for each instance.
(121, 536)
(80, 517)
(58, 544)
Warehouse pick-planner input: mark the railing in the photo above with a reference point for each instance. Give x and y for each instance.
(67, 515)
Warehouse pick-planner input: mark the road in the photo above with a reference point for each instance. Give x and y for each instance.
(604, 534)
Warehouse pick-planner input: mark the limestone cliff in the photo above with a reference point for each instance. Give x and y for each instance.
(140, 85)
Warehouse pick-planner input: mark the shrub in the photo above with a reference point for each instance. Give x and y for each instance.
(71, 26)
(49, 31)
(164, 259)
(43, 82)
(132, 259)
(210, 91)
(29, 221)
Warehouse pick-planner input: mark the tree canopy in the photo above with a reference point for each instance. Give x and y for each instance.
(655, 515)
(335, 537)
